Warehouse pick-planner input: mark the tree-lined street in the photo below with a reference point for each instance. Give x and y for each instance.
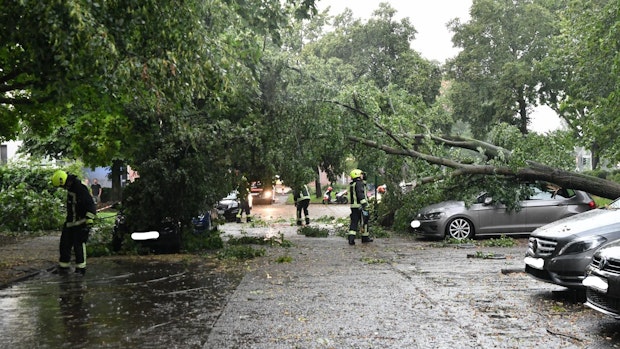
(392, 293)
(205, 98)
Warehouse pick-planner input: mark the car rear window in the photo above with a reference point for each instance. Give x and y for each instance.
(551, 193)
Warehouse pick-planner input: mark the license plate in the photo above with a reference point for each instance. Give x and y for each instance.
(147, 235)
(536, 263)
(596, 282)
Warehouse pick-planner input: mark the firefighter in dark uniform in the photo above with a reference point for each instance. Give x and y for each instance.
(301, 196)
(359, 207)
(244, 197)
(81, 212)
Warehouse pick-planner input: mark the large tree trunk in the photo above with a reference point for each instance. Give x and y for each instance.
(594, 150)
(117, 190)
(523, 120)
(317, 183)
(534, 171)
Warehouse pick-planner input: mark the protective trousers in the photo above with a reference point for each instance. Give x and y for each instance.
(244, 207)
(356, 219)
(302, 205)
(73, 238)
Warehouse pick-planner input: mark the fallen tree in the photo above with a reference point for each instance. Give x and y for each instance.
(534, 171)
(410, 145)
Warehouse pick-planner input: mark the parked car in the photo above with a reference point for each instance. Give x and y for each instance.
(161, 237)
(560, 252)
(205, 221)
(262, 194)
(602, 280)
(486, 216)
(228, 207)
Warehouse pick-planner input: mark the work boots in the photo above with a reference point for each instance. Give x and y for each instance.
(61, 271)
(351, 239)
(366, 239)
(307, 221)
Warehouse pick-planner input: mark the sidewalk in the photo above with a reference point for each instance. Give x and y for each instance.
(27, 257)
(392, 293)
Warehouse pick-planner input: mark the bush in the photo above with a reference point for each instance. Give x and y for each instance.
(28, 201)
(313, 232)
(24, 209)
(198, 242)
(240, 252)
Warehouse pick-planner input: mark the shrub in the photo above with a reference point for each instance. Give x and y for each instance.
(240, 252)
(24, 209)
(313, 232)
(28, 201)
(207, 241)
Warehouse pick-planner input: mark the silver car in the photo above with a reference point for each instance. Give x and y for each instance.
(453, 219)
(560, 252)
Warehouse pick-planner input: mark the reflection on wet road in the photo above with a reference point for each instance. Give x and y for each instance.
(134, 303)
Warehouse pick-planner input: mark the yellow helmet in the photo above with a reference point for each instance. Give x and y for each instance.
(356, 173)
(59, 178)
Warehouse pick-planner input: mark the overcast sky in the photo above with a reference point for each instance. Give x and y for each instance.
(429, 17)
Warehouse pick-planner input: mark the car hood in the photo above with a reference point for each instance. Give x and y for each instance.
(227, 202)
(597, 220)
(442, 206)
(611, 250)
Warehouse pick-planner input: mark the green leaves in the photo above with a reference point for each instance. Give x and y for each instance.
(497, 75)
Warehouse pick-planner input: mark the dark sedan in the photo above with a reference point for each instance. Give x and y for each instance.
(560, 252)
(454, 219)
(603, 280)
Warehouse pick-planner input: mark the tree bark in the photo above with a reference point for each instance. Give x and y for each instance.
(116, 194)
(534, 171)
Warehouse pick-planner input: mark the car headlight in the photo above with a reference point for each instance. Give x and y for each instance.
(432, 216)
(582, 245)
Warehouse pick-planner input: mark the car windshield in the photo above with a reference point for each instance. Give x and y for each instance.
(614, 205)
(231, 196)
(480, 198)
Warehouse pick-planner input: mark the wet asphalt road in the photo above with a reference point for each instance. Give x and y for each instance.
(392, 293)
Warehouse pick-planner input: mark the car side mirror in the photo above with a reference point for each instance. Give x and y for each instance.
(488, 200)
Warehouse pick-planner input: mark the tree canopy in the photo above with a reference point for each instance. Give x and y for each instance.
(192, 95)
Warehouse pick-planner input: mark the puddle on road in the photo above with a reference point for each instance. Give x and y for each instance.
(119, 303)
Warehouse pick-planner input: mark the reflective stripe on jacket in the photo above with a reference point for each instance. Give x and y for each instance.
(357, 193)
(80, 205)
(303, 194)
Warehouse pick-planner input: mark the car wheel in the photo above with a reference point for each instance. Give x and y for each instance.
(460, 229)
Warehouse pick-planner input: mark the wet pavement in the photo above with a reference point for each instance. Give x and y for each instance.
(130, 303)
(392, 293)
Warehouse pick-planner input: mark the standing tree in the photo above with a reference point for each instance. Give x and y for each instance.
(148, 83)
(495, 75)
(583, 85)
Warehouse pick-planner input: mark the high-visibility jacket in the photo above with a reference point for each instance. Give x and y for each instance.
(80, 205)
(303, 194)
(357, 193)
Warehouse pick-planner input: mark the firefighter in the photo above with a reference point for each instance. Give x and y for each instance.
(244, 197)
(359, 207)
(81, 212)
(301, 196)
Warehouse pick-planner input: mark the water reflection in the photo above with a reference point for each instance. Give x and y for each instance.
(130, 303)
(74, 312)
